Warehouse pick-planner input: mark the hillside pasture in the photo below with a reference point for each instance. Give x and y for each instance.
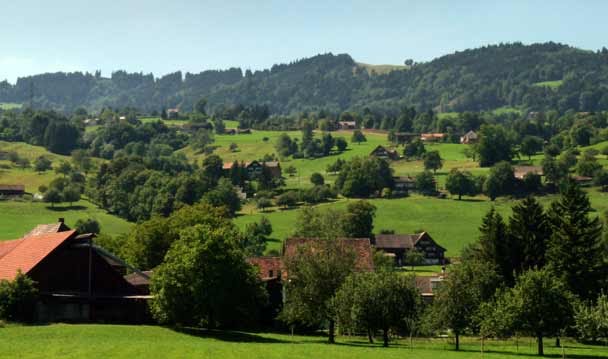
(452, 223)
(18, 217)
(9, 106)
(123, 341)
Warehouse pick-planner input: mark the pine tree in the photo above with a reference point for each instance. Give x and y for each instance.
(529, 231)
(575, 251)
(493, 246)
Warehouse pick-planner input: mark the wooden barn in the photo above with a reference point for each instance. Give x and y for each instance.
(385, 153)
(77, 280)
(399, 244)
(12, 190)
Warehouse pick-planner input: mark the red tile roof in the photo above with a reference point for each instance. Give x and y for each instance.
(29, 251)
(47, 229)
(361, 246)
(270, 267)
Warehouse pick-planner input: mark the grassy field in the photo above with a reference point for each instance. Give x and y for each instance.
(452, 223)
(18, 217)
(381, 69)
(9, 106)
(116, 341)
(550, 84)
(28, 177)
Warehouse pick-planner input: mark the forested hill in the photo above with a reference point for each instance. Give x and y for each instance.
(536, 77)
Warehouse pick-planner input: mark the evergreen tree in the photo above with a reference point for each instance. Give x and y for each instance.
(493, 246)
(575, 252)
(529, 232)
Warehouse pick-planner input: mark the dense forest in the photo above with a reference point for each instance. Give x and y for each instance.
(534, 77)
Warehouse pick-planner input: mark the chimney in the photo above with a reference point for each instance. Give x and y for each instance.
(61, 220)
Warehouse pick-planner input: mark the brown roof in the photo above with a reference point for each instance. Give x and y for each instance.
(47, 229)
(12, 187)
(407, 241)
(137, 279)
(267, 264)
(424, 284)
(432, 135)
(361, 246)
(521, 171)
(29, 251)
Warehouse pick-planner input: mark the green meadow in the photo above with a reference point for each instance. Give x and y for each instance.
(123, 341)
(20, 216)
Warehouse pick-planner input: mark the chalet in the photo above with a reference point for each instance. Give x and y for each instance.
(255, 168)
(400, 244)
(91, 122)
(230, 131)
(385, 153)
(403, 185)
(76, 280)
(272, 268)
(521, 171)
(428, 286)
(12, 190)
(347, 125)
(172, 113)
(243, 131)
(432, 137)
(582, 180)
(469, 138)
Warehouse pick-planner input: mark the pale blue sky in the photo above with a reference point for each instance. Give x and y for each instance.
(163, 36)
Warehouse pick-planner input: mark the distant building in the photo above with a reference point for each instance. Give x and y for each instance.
(91, 122)
(172, 113)
(469, 137)
(347, 125)
(12, 190)
(403, 185)
(400, 244)
(428, 286)
(432, 137)
(255, 168)
(521, 171)
(385, 153)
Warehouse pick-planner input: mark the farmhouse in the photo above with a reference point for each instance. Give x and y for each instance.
(403, 184)
(172, 113)
(255, 168)
(428, 285)
(77, 281)
(384, 153)
(521, 171)
(400, 244)
(469, 137)
(12, 190)
(432, 137)
(347, 125)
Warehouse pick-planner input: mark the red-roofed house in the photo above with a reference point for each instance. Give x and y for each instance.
(76, 280)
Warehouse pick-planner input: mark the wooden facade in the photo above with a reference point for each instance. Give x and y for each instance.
(399, 244)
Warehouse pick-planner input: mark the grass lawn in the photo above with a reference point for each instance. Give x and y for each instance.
(550, 84)
(18, 217)
(452, 223)
(9, 106)
(117, 341)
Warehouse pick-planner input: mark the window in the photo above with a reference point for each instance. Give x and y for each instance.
(270, 273)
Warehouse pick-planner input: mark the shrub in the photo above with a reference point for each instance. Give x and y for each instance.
(18, 299)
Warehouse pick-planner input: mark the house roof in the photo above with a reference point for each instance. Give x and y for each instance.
(406, 241)
(402, 241)
(424, 284)
(432, 135)
(471, 134)
(267, 264)
(137, 279)
(12, 187)
(361, 246)
(29, 251)
(521, 171)
(47, 229)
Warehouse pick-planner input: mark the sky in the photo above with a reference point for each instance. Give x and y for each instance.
(164, 36)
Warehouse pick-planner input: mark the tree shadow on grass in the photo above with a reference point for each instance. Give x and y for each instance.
(66, 208)
(555, 355)
(471, 200)
(228, 336)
